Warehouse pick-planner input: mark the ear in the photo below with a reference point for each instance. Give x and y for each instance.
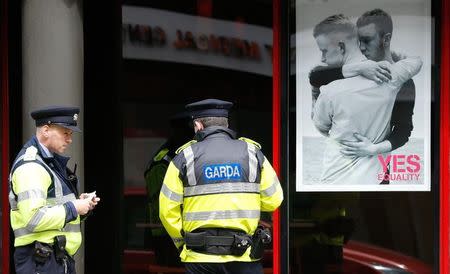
(46, 131)
(387, 39)
(198, 125)
(341, 46)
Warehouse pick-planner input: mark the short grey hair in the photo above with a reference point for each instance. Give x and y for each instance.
(213, 121)
(335, 23)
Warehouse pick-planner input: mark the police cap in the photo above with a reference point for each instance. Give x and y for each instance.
(57, 115)
(209, 108)
(181, 119)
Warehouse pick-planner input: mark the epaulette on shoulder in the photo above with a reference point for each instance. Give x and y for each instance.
(30, 154)
(250, 141)
(185, 146)
(161, 155)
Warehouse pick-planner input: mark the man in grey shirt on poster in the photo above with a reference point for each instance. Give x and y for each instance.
(375, 30)
(368, 113)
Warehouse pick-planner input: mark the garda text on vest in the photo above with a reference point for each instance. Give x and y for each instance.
(231, 171)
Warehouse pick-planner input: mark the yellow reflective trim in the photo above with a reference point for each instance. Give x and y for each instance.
(250, 141)
(161, 155)
(185, 146)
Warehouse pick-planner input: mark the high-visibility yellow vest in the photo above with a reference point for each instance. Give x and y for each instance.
(35, 215)
(218, 182)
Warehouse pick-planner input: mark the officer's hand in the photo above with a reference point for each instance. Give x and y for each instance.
(92, 198)
(93, 203)
(82, 206)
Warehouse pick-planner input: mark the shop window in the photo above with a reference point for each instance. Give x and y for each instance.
(173, 56)
(363, 190)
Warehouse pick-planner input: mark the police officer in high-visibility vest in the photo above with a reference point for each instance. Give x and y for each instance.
(213, 194)
(45, 211)
(180, 131)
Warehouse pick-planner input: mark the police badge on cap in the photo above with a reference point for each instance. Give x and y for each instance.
(58, 115)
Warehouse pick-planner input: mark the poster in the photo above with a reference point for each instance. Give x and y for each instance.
(363, 95)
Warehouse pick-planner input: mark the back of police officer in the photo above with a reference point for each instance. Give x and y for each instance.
(212, 195)
(45, 212)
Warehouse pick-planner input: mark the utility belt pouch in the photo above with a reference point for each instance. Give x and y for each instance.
(260, 238)
(240, 244)
(42, 252)
(60, 248)
(195, 241)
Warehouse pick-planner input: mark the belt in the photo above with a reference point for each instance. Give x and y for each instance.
(218, 241)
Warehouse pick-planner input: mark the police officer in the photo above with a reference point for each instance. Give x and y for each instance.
(180, 132)
(212, 195)
(45, 211)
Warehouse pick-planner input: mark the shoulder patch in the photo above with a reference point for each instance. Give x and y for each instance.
(161, 155)
(30, 154)
(250, 141)
(185, 146)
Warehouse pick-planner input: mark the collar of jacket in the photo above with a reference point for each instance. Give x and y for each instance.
(214, 131)
(61, 159)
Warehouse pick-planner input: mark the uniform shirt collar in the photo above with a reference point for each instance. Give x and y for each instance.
(48, 153)
(214, 130)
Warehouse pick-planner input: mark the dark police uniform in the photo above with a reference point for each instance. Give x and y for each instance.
(45, 222)
(212, 195)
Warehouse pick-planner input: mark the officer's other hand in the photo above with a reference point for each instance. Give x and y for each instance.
(82, 206)
(92, 197)
(93, 202)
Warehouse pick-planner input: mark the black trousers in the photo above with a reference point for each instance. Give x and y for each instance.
(25, 263)
(224, 268)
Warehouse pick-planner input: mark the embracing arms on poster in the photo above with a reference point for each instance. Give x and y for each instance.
(401, 121)
(401, 72)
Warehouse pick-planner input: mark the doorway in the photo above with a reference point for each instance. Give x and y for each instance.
(173, 54)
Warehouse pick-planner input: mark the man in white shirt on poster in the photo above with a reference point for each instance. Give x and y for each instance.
(353, 105)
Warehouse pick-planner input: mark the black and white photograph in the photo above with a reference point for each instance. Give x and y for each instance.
(363, 95)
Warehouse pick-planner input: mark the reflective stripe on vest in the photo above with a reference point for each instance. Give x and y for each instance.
(217, 188)
(190, 168)
(252, 163)
(171, 195)
(271, 189)
(68, 228)
(222, 215)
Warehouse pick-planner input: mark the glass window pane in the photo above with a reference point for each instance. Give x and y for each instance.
(361, 98)
(174, 53)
